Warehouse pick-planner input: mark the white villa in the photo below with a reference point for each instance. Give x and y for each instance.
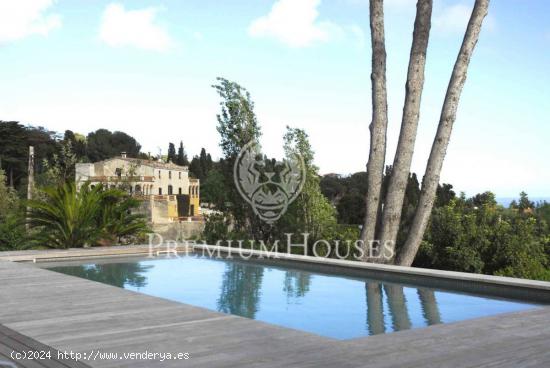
(171, 193)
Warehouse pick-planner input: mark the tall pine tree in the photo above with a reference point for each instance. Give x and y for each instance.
(171, 153)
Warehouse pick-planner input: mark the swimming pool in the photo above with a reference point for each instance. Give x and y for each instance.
(330, 305)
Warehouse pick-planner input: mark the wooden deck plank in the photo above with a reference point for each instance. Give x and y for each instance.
(11, 340)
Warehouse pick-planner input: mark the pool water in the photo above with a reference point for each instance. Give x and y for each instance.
(328, 305)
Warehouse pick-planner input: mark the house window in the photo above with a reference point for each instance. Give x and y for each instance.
(170, 190)
(179, 191)
(159, 174)
(118, 172)
(138, 188)
(179, 175)
(169, 175)
(160, 191)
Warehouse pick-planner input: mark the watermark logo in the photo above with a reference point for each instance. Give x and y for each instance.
(269, 186)
(291, 244)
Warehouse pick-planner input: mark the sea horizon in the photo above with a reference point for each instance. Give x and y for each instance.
(505, 201)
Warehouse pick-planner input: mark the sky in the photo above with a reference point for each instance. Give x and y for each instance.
(147, 67)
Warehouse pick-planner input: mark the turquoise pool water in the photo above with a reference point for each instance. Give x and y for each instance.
(328, 305)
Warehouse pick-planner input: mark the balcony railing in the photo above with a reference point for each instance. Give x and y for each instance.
(116, 179)
(156, 197)
(188, 219)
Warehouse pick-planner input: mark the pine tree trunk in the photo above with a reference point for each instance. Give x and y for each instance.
(430, 309)
(439, 147)
(378, 126)
(393, 203)
(375, 308)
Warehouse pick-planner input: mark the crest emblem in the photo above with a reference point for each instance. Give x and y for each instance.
(269, 186)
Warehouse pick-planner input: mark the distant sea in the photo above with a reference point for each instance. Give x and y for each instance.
(505, 201)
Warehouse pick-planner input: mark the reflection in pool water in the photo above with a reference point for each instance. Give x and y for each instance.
(333, 306)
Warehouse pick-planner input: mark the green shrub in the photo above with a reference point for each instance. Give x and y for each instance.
(479, 236)
(215, 228)
(12, 232)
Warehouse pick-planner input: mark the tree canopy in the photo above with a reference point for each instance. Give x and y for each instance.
(103, 144)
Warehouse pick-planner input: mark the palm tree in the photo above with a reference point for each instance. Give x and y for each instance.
(68, 217)
(116, 217)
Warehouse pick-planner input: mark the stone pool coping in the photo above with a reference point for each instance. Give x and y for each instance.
(463, 276)
(533, 291)
(500, 286)
(50, 255)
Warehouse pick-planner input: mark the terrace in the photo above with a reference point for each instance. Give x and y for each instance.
(117, 179)
(81, 316)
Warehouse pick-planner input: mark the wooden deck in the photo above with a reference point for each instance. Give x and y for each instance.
(22, 351)
(76, 315)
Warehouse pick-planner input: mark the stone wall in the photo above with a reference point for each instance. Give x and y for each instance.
(159, 209)
(179, 231)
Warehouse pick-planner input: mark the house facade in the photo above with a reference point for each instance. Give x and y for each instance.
(167, 192)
